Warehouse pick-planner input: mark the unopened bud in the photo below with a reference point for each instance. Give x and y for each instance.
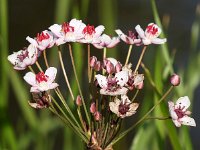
(140, 86)
(97, 116)
(110, 68)
(97, 66)
(118, 67)
(93, 108)
(93, 61)
(78, 100)
(175, 80)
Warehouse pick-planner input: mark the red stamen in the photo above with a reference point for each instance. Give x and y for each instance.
(67, 28)
(41, 77)
(152, 29)
(42, 36)
(89, 30)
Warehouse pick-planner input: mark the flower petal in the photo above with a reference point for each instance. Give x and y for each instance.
(140, 31)
(102, 81)
(188, 121)
(183, 102)
(30, 78)
(51, 73)
(122, 77)
(158, 41)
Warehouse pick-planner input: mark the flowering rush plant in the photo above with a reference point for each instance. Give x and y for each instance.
(101, 112)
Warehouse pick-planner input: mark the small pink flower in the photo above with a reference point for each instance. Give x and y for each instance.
(131, 38)
(68, 32)
(150, 36)
(113, 85)
(123, 108)
(42, 81)
(42, 41)
(91, 34)
(24, 58)
(107, 42)
(179, 112)
(111, 65)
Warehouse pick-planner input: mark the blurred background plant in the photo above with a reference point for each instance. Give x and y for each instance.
(22, 127)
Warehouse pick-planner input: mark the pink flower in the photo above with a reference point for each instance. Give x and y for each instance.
(42, 81)
(179, 112)
(111, 65)
(91, 34)
(42, 41)
(131, 38)
(24, 58)
(123, 108)
(150, 35)
(68, 32)
(107, 42)
(113, 85)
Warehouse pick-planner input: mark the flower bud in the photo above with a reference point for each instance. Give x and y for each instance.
(97, 116)
(140, 86)
(97, 66)
(118, 67)
(78, 100)
(93, 108)
(175, 80)
(93, 61)
(110, 68)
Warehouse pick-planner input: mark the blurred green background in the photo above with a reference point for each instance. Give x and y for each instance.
(22, 127)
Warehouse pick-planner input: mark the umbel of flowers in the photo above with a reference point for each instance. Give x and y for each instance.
(108, 102)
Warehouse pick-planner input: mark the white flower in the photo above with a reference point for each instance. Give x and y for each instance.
(42, 81)
(91, 34)
(68, 32)
(150, 35)
(24, 58)
(138, 79)
(123, 108)
(132, 38)
(107, 42)
(42, 41)
(179, 112)
(113, 85)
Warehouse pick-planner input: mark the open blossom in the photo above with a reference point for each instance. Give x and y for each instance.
(24, 58)
(42, 81)
(113, 85)
(68, 32)
(124, 107)
(131, 38)
(179, 112)
(42, 41)
(91, 35)
(150, 35)
(107, 42)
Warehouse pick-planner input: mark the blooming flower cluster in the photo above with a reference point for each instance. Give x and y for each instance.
(111, 81)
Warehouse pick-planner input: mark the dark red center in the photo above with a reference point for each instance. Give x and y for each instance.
(23, 55)
(132, 35)
(42, 36)
(152, 29)
(67, 28)
(89, 30)
(123, 108)
(41, 77)
(179, 112)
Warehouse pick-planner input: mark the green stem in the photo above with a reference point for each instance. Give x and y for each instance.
(79, 88)
(88, 48)
(104, 52)
(128, 55)
(142, 119)
(38, 65)
(64, 72)
(158, 118)
(45, 59)
(140, 59)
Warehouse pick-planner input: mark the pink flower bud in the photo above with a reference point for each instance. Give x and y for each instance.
(110, 68)
(78, 100)
(175, 80)
(93, 61)
(140, 86)
(93, 108)
(97, 66)
(118, 67)
(97, 116)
